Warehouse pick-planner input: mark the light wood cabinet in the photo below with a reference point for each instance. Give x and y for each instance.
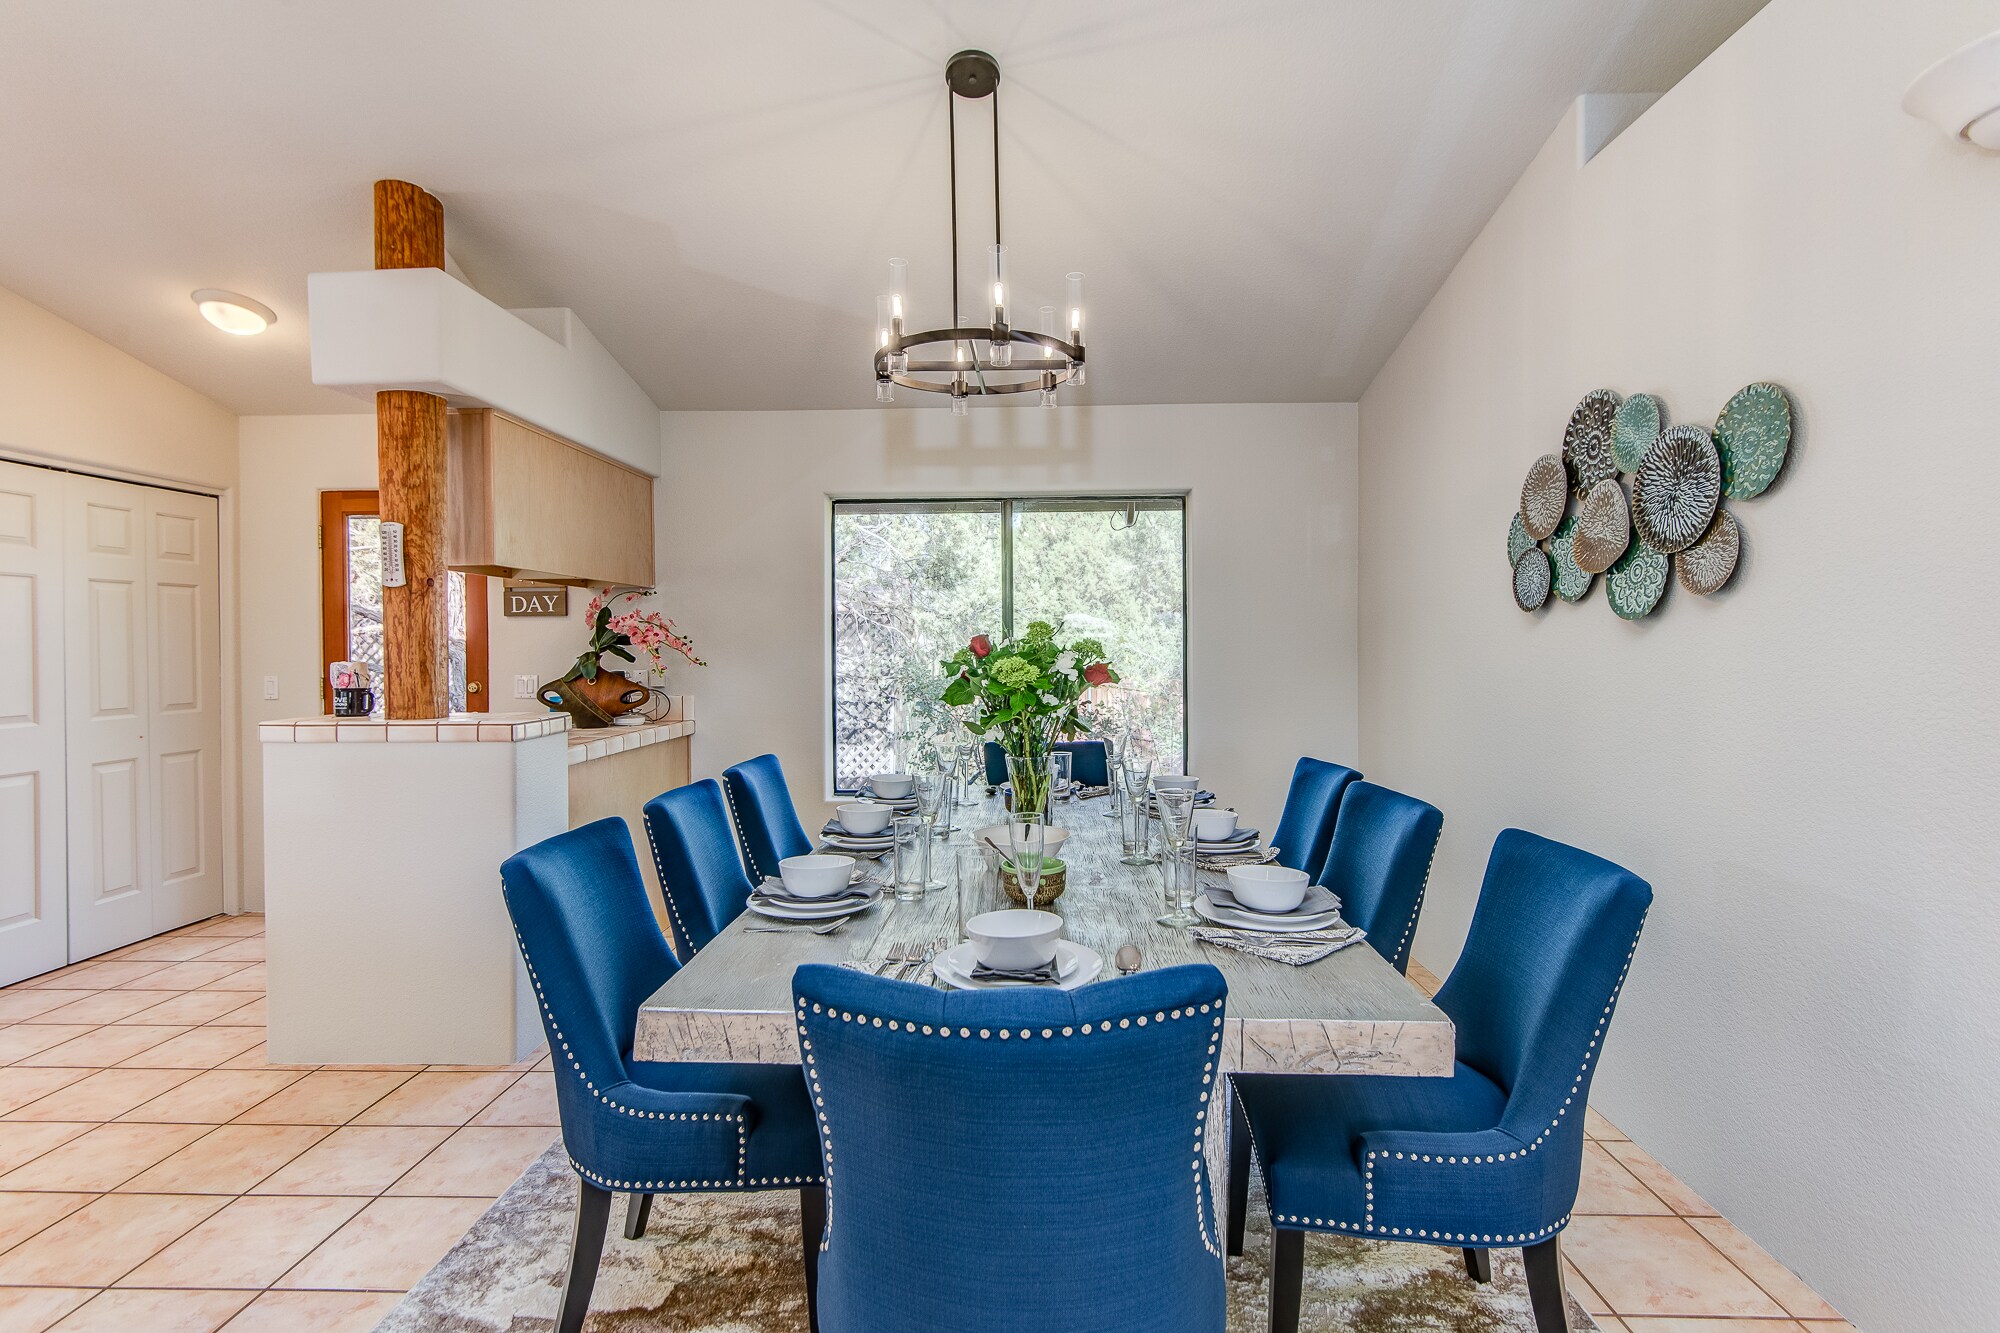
(527, 504)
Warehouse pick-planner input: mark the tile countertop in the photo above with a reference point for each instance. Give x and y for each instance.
(495, 727)
(588, 743)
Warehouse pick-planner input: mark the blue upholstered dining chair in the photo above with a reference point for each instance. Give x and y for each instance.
(1089, 763)
(700, 873)
(1380, 861)
(1490, 1157)
(1020, 1159)
(995, 760)
(594, 953)
(1305, 829)
(767, 823)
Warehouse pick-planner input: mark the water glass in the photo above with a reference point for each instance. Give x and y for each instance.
(1114, 746)
(912, 858)
(1063, 763)
(973, 874)
(1027, 835)
(930, 803)
(948, 796)
(1135, 827)
(1176, 810)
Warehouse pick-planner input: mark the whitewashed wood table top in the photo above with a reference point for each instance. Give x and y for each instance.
(1350, 1013)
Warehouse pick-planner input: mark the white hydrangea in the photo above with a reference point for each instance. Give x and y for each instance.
(1065, 665)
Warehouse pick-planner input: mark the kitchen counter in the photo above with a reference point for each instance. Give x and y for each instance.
(588, 743)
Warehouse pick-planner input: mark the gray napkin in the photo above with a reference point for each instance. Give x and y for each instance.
(1045, 973)
(1251, 856)
(1296, 949)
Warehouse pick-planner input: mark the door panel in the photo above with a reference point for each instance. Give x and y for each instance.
(34, 905)
(183, 579)
(114, 814)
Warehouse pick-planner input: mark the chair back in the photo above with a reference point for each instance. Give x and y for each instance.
(767, 824)
(594, 953)
(1016, 1158)
(1305, 830)
(1088, 763)
(1533, 991)
(1379, 862)
(996, 763)
(700, 872)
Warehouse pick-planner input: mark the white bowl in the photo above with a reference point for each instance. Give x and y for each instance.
(892, 786)
(1014, 940)
(1268, 888)
(1214, 825)
(996, 834)
(1172, 780)
(864, 818)
(817, 876)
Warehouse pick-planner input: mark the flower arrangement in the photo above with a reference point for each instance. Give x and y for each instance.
(1025, 693)
(617, 635)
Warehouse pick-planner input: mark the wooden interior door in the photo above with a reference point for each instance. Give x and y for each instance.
(183, 586)
(34, 899)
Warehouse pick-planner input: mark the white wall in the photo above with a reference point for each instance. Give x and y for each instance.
(743, 559)
(1803, 766)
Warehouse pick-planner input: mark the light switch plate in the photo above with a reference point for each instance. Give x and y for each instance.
(270, 687)
(526, 686)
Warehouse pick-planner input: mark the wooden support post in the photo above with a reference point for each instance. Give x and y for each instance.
(410, 470)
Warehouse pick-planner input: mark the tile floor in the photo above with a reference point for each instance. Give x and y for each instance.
(157, 1173)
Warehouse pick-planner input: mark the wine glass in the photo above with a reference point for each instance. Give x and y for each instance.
(930, 801)
(1176, 807)
(969, 754)
(1135, 767)
(1027, 834)
(947, 767)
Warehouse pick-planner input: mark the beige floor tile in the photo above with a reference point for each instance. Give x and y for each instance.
(328, 1097)
(1586, 1295)
(547, 1062)
(437, 1099)
(1826, 1326)
(32, 1309)
(198, 1048)
(249, 1243)
(103, 1159)
(103, 1094)
(1608, 1188)
(1597, 1127)
(1785, 1286)
(189, 976)
(251, 1015)
(214, 1097)
(105, 1006)
(249, 950)
(258, 1057)
(18, 1006)
(477, 1162)
(1645, 1324)
(22, 1087)
(358, 1159)
(22, 1215)
(1660, 1266)
(1610, 1323)
(387, 1247)
(232, 927)
(104, 1240)
(532, 1101)
(1661, 1181)
(248, 977)
(155, 1312)
(24, 1141)
(169, 949)
(96, 976)
(101, 1048)
(192, 1006)
(18, 1041)
(229, 1159)
(314, 1312)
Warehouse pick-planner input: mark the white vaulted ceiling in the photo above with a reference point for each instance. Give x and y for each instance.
(1263, 195)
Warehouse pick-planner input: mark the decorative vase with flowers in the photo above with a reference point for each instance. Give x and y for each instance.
(1025, 693)
(592, 693)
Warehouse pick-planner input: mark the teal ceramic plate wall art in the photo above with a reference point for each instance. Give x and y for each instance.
(1633, 430)
(1571, 582)
(1603, 527)
(1518, 539)
(1676, 489)
(1587, 442)
(1635, 582)
(1544, 496)
(1531, 579)
(1705, 566)
(1752, 435)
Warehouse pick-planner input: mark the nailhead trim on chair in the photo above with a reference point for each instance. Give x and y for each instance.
(673, 911)
(1208, 1240)
(1402, 957)
(757, 876)
(1496, 1238)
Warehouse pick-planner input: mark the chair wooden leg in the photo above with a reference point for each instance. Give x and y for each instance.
(1545, 1285)
(593, 1215)
(1239, 1170)
(1479, 1265)
(638, 1208)
(1288, 1275)
(812, 1222)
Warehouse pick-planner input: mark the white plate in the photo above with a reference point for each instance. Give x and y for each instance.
(1076, 967)
(1276, 923)
(817, 911)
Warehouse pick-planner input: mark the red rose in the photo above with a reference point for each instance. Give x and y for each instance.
(981, 645)
(1098, 673)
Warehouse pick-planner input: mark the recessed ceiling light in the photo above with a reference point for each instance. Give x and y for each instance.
(232, 313)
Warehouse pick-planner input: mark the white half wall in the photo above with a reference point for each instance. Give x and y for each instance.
(743, 550)
(1804, 766)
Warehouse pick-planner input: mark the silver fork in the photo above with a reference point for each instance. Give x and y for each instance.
(827, 929)
(895, 958)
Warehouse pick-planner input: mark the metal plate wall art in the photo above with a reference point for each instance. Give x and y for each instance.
(1634, 429)
(1531, 579)
(1603, 527)
(1705, 566)
(1753, 435)
(1571, 582)
(1518, 539)
(1544, 496)
(1634, 584)
(1676, 489)
(1587, 442)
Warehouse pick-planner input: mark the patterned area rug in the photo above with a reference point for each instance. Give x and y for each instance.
(730, 1264)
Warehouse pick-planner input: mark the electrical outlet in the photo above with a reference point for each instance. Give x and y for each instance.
(525, 687)
(270, 687)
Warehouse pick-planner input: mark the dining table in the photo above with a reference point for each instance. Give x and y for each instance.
(1348, 1013)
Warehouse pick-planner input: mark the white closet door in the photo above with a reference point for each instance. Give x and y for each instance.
(184, 653)
(34, 903)
(113, 865)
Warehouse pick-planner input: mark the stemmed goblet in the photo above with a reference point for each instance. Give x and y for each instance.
(1176, 807)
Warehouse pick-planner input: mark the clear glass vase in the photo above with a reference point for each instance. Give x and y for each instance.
(1032, 775)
